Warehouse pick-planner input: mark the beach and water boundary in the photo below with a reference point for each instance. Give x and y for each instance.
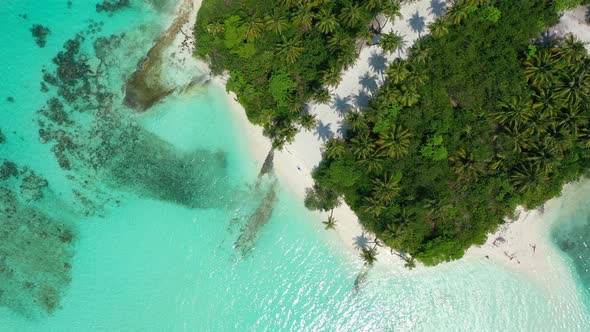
(157, 285)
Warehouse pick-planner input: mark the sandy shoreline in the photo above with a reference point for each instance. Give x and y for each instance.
(543, 265)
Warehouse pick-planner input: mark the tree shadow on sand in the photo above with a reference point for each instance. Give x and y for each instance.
(361, 99)
(548, 37)
(323, 131)
(368, 83)
(417, 23)
(438, 7)
(341, 104)
(378, 63)
(361, 241)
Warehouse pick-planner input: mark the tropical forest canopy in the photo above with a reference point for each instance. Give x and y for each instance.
(484, 115)
(281, 53)
(478, 120)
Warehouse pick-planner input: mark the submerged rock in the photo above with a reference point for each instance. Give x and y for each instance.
(268, 165)
(360, 279)
(153, 168)
(2, 138)
(8, 169)
(146, 86)
(36, 254)
(247, 239)
(40, 34)
(111, 6)
(54, 111)
(32, 186)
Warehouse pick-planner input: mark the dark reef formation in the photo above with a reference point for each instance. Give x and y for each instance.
(111, 6)
(153, 168)
(2, 137)
(35, 249)
(40, 34)
(89, 129)
(247, 239)
(146, 87)
(268, 165)
(107, 157)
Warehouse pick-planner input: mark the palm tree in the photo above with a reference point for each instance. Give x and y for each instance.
(526, 177)
(355, 121)
(458, 12)
(373, 5)
(395, 142)
(327, 21)
(330, 223)
(391, 42)
(398, 71)
(392, 9)
(514, 112)
(289, 3)
(303, 18)
(518, 138)
(466, 166)
(409, 96)
(548, 101)
(277, 23)
(498, 163)
(254, 28)
(322, 95)
(574, 87)
(351, 14)
(332, 76)
(308, 121)
(540, 69)
(584, 137)
(335, 148)
(372, 164)
(339, 41)
(386, 189)
(347, 58)
(215, 28)
(369, 256)
(373, 206)
(362, 146)
(439, 28)
(410, 263)
(545, 155)
(420, 52)
(572, 119)
(572, 49)
(290, 50)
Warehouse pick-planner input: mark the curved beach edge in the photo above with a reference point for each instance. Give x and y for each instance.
(527, 249)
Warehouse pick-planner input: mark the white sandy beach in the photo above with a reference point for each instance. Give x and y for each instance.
(293, 166)
(358, 84)
(574, 22)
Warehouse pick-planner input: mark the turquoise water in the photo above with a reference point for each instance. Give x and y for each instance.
(571, 233)
(157, 204)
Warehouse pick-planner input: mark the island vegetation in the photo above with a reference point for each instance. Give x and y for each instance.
(282, 54)
(475, 122)
(486, 113)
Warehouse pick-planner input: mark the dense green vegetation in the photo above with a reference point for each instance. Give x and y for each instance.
(477, 121)
(280, 53)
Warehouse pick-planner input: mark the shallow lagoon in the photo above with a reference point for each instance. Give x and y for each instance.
(146, 257)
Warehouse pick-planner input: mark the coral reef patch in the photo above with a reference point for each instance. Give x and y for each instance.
(40, 34)
(111, 6)
(36, 250)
